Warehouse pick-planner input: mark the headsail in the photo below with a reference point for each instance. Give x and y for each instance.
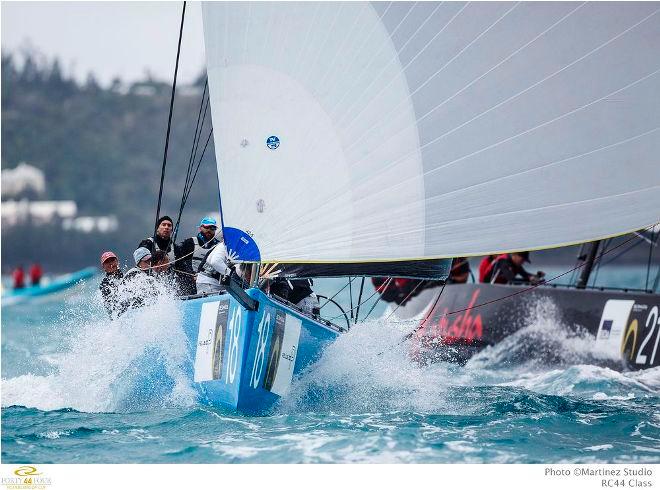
(356, 132)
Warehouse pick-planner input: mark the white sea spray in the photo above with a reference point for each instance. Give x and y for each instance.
(137, 361)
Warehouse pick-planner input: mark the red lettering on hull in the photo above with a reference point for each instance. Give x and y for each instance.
(463, 328)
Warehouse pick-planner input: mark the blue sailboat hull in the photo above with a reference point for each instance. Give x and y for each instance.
(245, 360)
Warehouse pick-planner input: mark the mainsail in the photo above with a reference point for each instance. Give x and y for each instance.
(357, 132)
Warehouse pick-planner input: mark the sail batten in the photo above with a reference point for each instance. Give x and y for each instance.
(348, 132)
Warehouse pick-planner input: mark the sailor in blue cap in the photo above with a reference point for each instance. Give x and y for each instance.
(209, 234)
(194, 249)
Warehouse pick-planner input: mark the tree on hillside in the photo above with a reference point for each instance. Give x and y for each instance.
(101, 147)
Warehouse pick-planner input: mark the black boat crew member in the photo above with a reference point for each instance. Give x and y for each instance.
(296, 291)
(507, 267)
(110, 283)
(486, 267)
(460, 271)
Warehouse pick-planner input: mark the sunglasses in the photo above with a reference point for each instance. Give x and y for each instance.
(209, 227)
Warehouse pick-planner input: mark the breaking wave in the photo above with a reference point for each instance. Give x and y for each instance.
(544, 340)
(139, 361)
(370, 370)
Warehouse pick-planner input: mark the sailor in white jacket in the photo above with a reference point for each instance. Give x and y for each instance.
(214, 267)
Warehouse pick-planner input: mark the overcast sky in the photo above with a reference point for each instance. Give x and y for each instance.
(111, 39)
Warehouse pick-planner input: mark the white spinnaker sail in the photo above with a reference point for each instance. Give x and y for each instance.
(419, 130)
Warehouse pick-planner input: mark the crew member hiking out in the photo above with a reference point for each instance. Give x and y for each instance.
(110, 284)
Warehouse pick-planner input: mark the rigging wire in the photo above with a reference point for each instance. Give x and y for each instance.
(426, 317)
(350, 279)
(197, 135)
(385, 285)
(648, 266)
(419, 283)
(623, 252)
(577, 261)
(599, 263)
(350, 294)
(454, 267)
(193, 154)
(184, 198)
(169, 121)
(359, 304)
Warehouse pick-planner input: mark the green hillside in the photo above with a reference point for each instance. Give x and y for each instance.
(103, 148)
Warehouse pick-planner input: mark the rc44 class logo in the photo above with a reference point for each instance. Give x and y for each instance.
(26, 477)
(273, 142)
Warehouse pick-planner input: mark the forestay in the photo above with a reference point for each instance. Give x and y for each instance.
(354, 132)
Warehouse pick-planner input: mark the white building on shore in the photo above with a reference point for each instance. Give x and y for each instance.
(16, 209)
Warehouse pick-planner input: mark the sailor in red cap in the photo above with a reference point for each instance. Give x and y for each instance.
(110, 284)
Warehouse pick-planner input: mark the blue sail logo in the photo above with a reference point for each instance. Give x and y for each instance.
(273, 142)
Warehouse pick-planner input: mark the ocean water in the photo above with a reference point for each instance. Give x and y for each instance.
(67, 397)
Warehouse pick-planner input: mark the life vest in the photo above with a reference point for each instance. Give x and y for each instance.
(170, 250)
(199, 254)
(485, 267)
(488, 276)
(207, 269)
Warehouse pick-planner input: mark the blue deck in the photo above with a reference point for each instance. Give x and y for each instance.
(245, 360)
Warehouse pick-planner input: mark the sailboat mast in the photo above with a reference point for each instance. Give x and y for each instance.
(589, 265)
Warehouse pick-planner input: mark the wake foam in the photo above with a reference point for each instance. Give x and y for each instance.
(543, 341)
(136, 362)
(369, 369)
(588, 381)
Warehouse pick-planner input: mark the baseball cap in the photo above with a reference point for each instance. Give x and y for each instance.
(107, 255)
(140, 254)
(208, 221)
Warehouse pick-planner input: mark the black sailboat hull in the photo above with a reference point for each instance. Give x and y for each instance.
(618, 328)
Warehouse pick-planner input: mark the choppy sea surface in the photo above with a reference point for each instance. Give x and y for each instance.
(67, 397)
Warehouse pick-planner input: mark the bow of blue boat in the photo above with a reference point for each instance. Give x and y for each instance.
(246, 360)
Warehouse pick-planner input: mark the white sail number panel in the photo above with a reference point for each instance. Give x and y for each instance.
(210, 341)
(612, 325)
